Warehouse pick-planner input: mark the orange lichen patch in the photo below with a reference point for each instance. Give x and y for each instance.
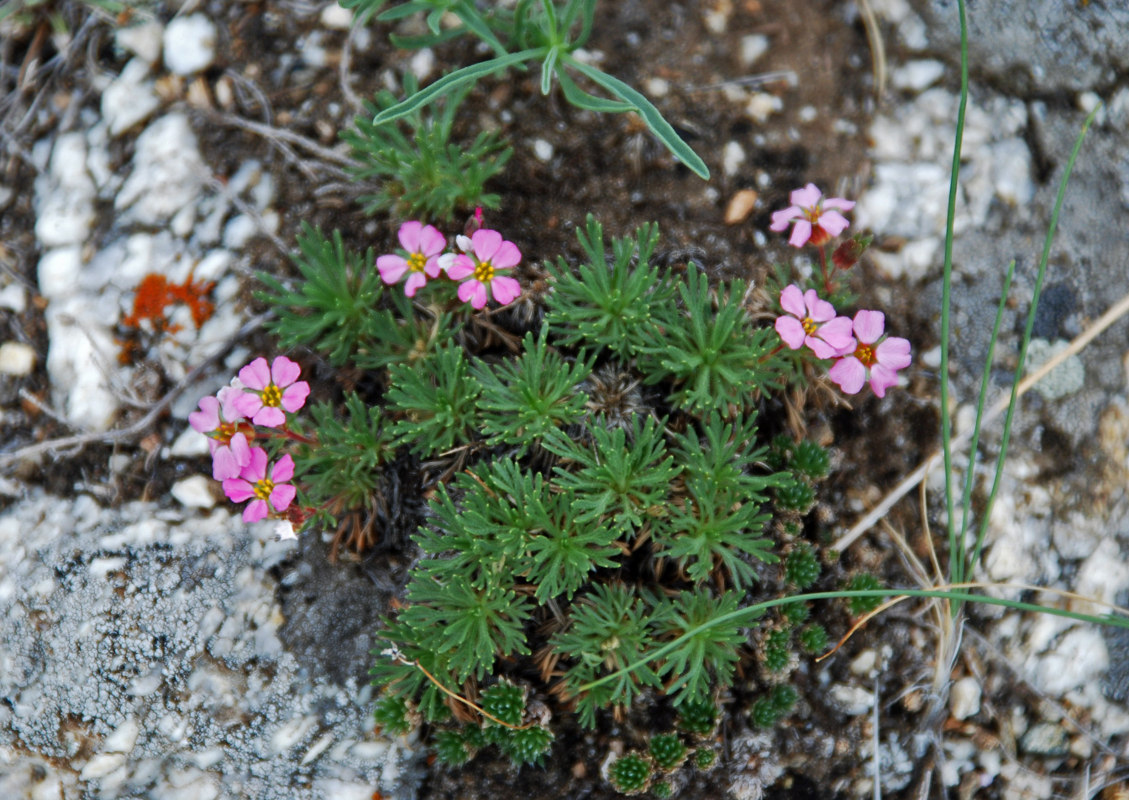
(152, 304)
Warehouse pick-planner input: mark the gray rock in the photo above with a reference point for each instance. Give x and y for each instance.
(141, 656)
(1027, 47)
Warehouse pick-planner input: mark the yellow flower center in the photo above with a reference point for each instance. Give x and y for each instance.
(810, 326)
(272, 396)
(484, 272)
(263, 488)
(224, 432)
(865, 354)
(416, 262)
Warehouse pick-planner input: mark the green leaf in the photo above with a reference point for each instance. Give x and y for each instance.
(651, 116)
(706, 655)
(454, 80)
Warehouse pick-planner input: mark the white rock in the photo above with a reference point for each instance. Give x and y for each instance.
(58, 272)
(1102, 577)
(317, 748)
(1080, 657)
(336, 17)
(422, 63)
(65, 196)
(79, 357)
(130, 98)
(239, 230)
(762, 105)
(123, 738)
(101, 765)
(543, 150)
(964, 698)
(916, 76)
(143, 40)
(1065, 379)
(657, 87)
(753, 47)
(168, 171)
(14, 297)
(16, 358)
(732, 157)
(1011, 171)
(291, 733)
(851, 700)
(194, 492)
(190, 44)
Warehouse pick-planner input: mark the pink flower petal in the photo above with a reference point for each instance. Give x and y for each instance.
(849, 373)
(882, 379)
(507, 256)
(837, 333)
(225, 465)
(269, 417)
(256, 468)
(869, 326)
(414, 282)
(238, 490)
(295, 396)
(839, 203)
(248, 404)
(505, 289)
(818, 310)
(792, 300)
(229, 403)
(791, 331)
(808, 197)
(432, 267)
(282, 496)
(283, 470)
(486, 243)
(894, 353)
(800, 234)
(255, 511)
(823, 349)
(833, 222)
(782, 219)
(255, 375)
(208, 417)
(409, 235)
(391, 268)
(461, 267)
(431, 241)
(284, 372)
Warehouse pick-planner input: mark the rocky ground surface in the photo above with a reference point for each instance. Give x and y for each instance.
(151, 645)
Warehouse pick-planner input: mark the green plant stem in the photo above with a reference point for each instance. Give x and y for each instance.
(752, 612)
(956, 542)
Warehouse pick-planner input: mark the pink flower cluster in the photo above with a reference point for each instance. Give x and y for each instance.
(859, 347)
(261, 396)
(484, 255)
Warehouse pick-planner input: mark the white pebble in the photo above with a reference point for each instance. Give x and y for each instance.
(16, 358)
(65, 200)
(190, 44)
(543, 150)
(123, 738)
(762, 105)
(422, 63)
(14, 297)
(336, 17)
(657, 87)
(239, 230)
(851, 700)
(964, 698)
(81, 348)
(168, 171)
(130, 98)
(142, 40)
(58, 272)
(732, 157)
(916, 76)
(291, 733)
(101, 765)
(753, 47)
(194, 492)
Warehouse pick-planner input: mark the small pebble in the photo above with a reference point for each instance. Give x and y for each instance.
(194, 492)
(740, 206)
(917, 76)
(964, 698)
(130, 98)
(752, 48)
(190, 44)
(732, 157)
(142, 40)
(16, 358)
(543, 150)
(336, 17)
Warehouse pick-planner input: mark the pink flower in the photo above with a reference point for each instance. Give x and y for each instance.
(491, 254)
(253, 482)
(875, 358)
(813, 322)
(218, 419)
(271, 390)
(813, 223)
(424, 244)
